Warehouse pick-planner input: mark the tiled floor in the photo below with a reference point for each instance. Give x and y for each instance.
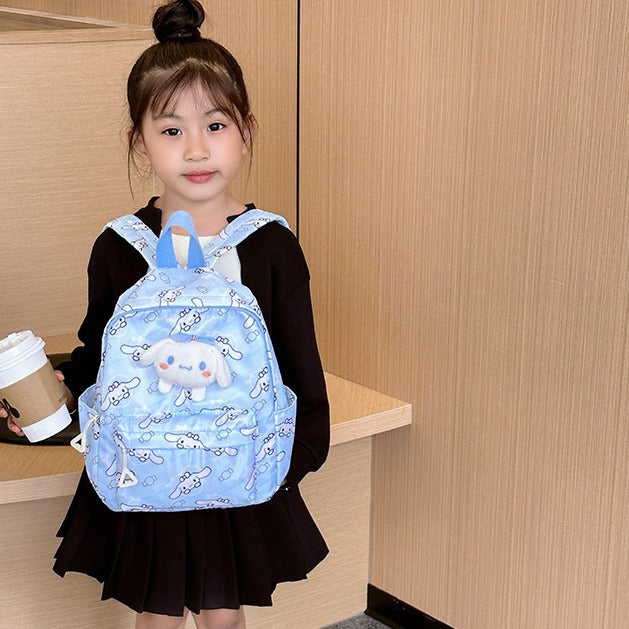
(357, 622)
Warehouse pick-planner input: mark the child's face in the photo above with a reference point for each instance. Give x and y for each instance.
(195, 150)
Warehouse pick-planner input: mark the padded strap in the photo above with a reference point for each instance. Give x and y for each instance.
(236, 231)
(138, 235)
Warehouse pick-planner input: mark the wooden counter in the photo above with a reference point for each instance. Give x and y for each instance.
(34, 472)
(36, 483)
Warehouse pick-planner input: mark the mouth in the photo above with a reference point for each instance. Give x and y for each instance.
(199, 176)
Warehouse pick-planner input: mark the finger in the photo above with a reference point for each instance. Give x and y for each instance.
(59, 375)
(15, 428)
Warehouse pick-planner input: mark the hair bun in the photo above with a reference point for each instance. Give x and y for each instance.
(179, 20)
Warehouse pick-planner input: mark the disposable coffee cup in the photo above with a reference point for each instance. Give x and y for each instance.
(29, 389)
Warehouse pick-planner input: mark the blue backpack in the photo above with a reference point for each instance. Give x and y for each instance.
(188, 410)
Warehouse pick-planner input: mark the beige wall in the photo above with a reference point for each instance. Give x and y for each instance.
(464, 171)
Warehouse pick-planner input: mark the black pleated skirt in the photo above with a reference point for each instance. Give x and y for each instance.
(207, 559)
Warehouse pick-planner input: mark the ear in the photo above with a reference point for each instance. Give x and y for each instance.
(248, 129)
(223, 374)
(137, 147)
(151, 353)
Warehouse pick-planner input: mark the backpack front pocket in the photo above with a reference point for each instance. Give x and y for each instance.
(186, 463)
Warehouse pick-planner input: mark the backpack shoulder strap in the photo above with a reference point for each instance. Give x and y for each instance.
(138, 235)
(236, 231)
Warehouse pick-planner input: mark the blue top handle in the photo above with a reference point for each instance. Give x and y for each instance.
(165, 249)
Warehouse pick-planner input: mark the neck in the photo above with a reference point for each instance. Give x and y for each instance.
(208, 218)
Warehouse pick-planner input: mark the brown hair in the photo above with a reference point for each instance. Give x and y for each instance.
(181, 59)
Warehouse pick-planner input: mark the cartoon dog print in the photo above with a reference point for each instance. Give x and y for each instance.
(140, 244)
(213, 504)
(191, 365)
(113, 470)
(263, 383)
(221, 251)
(189, 317)
(220, 451)
(103, 354)
(155, 418)
(135, 351)
(137, 227)
(238, 301)
(118, 440)
(269, 446)
(184, 396)
(286, 428)
(252, 432)
(142, 507)
(229, 415)
(185, 440)
(122, 322)
(95, 419)
(189, 481)
(119, 391)
(227, 349)
(146, 455)
(260, 222)
(149, 277)
(257, 222)
(167, 297)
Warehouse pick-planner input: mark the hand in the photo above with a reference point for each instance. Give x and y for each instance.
(11, 425)
(70, 403)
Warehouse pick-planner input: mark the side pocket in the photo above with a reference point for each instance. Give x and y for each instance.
(285, 430)
(274, 450)
(88, 440)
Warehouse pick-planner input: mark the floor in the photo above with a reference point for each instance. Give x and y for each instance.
(357, 622)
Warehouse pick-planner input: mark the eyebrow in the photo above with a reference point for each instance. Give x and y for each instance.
(172, 116)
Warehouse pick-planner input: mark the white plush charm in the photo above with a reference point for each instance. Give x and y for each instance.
(191, 365)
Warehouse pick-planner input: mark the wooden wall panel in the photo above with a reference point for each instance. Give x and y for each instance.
(131, 11)
(63, 167)
(463, 193)
(63, 173)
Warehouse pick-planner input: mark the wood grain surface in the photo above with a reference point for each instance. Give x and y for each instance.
(463, 192)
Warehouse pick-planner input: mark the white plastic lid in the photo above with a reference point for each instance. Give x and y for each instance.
(17, 347)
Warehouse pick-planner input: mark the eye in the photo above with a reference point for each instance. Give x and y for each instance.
(216, 126)
(170, 360)
(202, 366)
(171, 132)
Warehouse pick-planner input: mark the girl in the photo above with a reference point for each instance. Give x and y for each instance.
(191, 124)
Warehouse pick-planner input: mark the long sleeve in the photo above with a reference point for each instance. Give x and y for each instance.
(274, 267)
(298, 358)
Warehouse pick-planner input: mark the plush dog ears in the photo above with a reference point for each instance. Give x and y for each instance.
(151, 353)
(223, 373)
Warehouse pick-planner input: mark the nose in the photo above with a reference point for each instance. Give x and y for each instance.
(196, 149)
